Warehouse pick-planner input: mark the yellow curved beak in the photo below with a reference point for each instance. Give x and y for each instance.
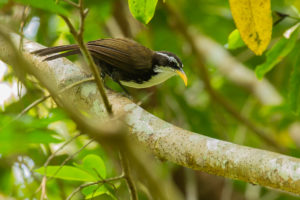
(182, 76)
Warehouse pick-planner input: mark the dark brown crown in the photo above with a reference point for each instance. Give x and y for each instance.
(167, 59)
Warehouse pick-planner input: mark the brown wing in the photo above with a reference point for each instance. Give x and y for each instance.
(124, 54)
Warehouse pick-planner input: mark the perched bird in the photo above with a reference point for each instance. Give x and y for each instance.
(125, 61)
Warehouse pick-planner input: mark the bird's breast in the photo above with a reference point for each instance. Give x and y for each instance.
(154, 80)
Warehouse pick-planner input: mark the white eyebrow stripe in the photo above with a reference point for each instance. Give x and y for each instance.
(169, 58)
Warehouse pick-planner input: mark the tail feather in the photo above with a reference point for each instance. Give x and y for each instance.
(57, 49)
(69, 53)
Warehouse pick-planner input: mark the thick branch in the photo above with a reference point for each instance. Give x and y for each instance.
(166, 140)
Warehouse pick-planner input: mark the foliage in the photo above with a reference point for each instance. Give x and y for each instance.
(254, 22)
(142, 10)
(92, 169)
(234, 40)
(281, 49)
(47, 5)
(16, 135)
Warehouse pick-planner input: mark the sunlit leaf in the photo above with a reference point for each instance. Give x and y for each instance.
(94, 165)
(234, 40)
(277, 53)
(295, 3)
(39, 136)
(96, 190)
(142, 10)
(48, 5)
(67, 173)
(253, 19)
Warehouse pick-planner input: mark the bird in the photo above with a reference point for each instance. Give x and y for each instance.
(127, 62)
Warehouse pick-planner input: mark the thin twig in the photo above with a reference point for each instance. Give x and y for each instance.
(75, 84)
(94, 183)
(21, 31)
(69, 158)
(59, 149)
(22, 25)
(44, 180)
(71, 3)
(82, 19)
(100, 178)
(40, 100)
(43, 187)
(128, 177)
(33, 104)
(78, 36)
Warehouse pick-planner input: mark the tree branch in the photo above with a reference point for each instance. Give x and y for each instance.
(166, 140)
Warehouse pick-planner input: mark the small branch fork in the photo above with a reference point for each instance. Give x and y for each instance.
(124, 175)
(117, 178)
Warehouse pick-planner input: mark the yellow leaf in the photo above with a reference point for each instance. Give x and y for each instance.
(253, 19)
(297, 5)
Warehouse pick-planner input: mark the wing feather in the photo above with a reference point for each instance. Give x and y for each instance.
(124, 54)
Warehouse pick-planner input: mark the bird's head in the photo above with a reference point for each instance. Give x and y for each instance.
(169, 63)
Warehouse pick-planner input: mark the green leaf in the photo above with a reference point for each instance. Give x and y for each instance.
(48, 5)
(294, 88)
(142, 10)
(67, 173)
(41, 136)
(94, 165)
(234, 40)
(277, 53)
(18, 135)
(96, 190)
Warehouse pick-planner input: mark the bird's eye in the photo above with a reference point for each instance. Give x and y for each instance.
(176, 65)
